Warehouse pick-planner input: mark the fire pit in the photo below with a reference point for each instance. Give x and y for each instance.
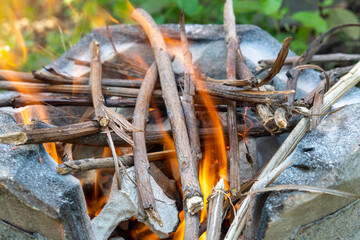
(169, 132)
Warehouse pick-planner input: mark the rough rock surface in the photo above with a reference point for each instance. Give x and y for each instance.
(326, 157)
(34, 197)
(124, 204)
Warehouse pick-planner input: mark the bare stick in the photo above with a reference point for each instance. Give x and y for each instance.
(50, 134)
(320, 58)
(189, 92)
(141, 161)
(190, 183)
(100, 163)
(17, 100)
(67, 88)
(234, 155)
(192, 221)
(338, 90)
(56, 79)
(215, 207)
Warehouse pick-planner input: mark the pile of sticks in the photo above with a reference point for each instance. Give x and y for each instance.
(180, 95)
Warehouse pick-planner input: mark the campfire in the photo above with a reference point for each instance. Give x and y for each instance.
(164, 143)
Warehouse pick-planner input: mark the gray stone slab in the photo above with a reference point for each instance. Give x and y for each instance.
(34, 197)
(326, 157)
(343, 224)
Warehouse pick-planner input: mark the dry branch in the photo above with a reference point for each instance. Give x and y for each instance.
(141, 161)
(192, 221)
(188, 93)
(100, 163)
(17, 100)
(320, 58)
(232, 45)
(56, 79)
(278, 64)
(190, 183)
(53, 134)
(66, 88)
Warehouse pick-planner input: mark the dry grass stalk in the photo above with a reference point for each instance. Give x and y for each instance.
(342, 86)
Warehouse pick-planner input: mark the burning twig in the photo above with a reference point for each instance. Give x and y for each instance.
(341, 87)
(100, 163)
(320, 58)
(192, 221)
(215, 207)
(190, 184)
(141, 161)
(232, 45)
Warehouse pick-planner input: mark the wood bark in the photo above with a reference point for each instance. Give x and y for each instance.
(190, 183)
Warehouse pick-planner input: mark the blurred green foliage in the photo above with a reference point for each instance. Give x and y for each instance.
(34, 33)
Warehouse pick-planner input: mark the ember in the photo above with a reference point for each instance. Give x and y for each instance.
(160, 135)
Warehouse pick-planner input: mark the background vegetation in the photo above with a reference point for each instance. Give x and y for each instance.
(35, 32)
